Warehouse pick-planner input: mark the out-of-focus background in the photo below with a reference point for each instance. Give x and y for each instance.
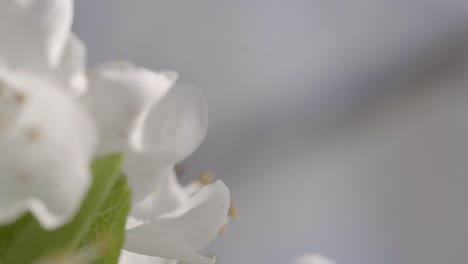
(341, 127)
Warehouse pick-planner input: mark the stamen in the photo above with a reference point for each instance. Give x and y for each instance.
(32, 134)
(206, 178)
(233, 212)
(20, 98)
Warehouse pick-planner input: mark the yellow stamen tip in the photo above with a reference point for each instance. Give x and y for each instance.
(206, 178)
(20, 98)
(233, 212)
(32, 134)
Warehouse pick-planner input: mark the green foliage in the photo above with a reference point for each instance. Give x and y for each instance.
(108, 230)
(95, 234)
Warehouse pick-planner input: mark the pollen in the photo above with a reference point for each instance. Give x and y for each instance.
(20, 98)
(32, 134)
(233, 212)
(206, 178)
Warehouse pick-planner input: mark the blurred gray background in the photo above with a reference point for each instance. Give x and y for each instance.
(340, 126)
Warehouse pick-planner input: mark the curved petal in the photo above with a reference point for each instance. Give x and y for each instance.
(168, 197)
(199, 220)
(313, 259)
(127, 257)
(120, 97)
(163, 243)
(34, 32)
(47, 142)
(70, 74)
(177, 124)
(71, 69)
(144, 174)
(185, 230)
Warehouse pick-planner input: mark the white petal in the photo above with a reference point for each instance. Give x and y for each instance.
(34, 32)
(163, 243)
(70, 73)
(313, 259)
(47, 141)
(120, 97)
(201, 217)
(169, 196)
(185, 231)
(144, 174)
(71, 69)
(177, 124)
(127, 257)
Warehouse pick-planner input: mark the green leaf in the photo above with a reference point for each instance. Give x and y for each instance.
(9, 232)
(31, 243)
(106, 236)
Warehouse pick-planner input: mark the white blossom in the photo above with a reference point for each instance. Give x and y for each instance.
(51, 112)
(120, 98)
(47, 141)
(157, 124)
(144, 114)
(174, 225)
(47, 137)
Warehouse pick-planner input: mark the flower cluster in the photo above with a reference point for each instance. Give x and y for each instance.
(56, 117)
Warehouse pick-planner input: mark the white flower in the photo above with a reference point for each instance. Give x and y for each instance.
(47, 137)
(173, 225)
(156, 123)
(120, 98)
(47, 141)
(313, 259)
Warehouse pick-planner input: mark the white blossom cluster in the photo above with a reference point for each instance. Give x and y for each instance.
(56, 116)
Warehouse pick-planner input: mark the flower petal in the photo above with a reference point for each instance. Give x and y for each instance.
(177, 124)
(185, 230)
(168, 197)
(120, 98)
(144, 174)
(34, 32)
(201, 217)
(127, 257)
(313, 259)
(47, 141)
(164, 244)
(70, 73)
(71, 69)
